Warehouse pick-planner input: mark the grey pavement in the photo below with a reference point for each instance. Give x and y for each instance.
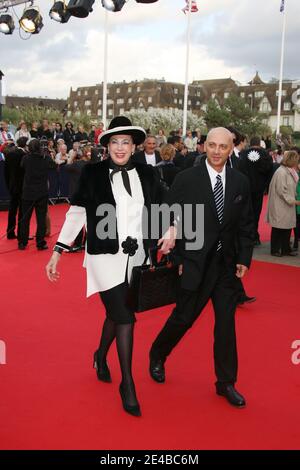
(262, 253)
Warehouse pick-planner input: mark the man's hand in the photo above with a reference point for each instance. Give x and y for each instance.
(167, 242)
(52, 274)
(241, 270)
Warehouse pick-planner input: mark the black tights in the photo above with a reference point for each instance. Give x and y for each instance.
(124, 340)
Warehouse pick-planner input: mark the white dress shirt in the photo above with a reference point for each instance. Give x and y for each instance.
(213, 176)
(150, 159)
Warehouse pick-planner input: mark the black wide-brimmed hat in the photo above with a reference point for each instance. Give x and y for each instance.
(123, 125)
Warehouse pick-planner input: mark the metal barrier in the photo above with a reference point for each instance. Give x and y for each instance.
(58, 185)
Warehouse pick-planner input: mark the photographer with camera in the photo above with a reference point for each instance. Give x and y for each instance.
(35, 192)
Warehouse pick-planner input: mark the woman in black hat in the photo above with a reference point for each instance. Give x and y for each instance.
(110, 200)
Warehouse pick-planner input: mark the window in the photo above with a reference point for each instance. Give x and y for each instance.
(122, 110)
(149, 99)
(110, 112)
(180, 100)
(287, 106)
(199, 93)
(176, 91)
(85, 92)
(242, 94)
(87, 103)
(99, 112)
(259, 94)
(226, 95)
(75, 103)
(198, 103)
(99, 101)
(120, 101)
(88, 112)
(79, 93)
(265, 107)
(213, 95)
(189, 102)
(118, 90)
(96, 92)
(77, 113)
(129, 100)
(110, 101)
(138, 89)
(69, 113)
(286, 121)
(175, 100)
(283, 93)
(129, 89)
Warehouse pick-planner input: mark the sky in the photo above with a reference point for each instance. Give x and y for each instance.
(229, 38)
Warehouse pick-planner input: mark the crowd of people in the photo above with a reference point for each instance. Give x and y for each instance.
(257, 159)
(127, 165)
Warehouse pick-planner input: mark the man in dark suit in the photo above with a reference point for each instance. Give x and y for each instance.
(209, 272)
(149, 156)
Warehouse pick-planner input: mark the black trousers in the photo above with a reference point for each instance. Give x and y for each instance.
(257, 203)
(280, 240)
(220, 286)
(15, 207)
(41, 207)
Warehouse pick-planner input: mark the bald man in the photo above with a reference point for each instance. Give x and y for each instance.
(209, 272)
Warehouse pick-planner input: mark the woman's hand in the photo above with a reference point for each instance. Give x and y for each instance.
(52, 274)
(167, 242)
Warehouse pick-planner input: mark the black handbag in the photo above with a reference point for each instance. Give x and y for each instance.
(153, 285)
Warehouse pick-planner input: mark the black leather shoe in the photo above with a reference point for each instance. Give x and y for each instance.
(102, 371)
(11, 236)
(133, 410)
(231, 394)
(42, 247)
(277, 254)
(21, 246)
(157, 370)
(246, 300)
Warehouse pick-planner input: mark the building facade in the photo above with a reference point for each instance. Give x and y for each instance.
(147, 94)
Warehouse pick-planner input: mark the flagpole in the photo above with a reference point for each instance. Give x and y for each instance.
(104, 97)
(186, 87)
(281, 72)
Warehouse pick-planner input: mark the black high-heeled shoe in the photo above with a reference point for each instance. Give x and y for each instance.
(102, 371)
(133, 410)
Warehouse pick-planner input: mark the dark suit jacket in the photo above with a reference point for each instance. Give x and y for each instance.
(193, 187)
(139, 157)
(233, 161)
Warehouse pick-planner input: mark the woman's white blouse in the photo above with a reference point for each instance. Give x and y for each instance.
(105, 271)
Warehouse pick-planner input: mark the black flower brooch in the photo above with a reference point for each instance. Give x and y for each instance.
(130, 245)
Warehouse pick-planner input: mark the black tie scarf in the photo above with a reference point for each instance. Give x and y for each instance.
(124, 169)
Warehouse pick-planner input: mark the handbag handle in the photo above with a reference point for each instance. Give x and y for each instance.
(152, 255)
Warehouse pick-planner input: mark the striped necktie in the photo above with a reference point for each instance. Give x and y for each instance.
(219, 201)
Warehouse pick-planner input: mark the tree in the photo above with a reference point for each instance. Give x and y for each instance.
(166, 119)
(30, 114)
(236, 113)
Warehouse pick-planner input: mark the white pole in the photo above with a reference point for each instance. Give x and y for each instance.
(104, 97)
(186, 88)
(281, 72)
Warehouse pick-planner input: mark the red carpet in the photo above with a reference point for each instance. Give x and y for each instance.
(50, 398)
